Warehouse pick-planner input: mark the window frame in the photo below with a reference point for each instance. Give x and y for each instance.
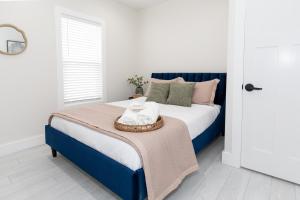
(59, 13)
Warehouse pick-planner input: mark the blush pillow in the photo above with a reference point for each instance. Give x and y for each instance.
(205, 92)
(154, 80)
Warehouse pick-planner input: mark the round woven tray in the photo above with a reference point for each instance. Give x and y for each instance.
(139, 128)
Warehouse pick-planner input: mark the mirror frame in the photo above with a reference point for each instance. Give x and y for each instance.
(23, 35)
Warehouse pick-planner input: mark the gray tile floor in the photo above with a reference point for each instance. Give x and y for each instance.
(34, 175)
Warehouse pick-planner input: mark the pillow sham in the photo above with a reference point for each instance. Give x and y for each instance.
(154, 80)
(181, 94)
(159, 92)
(205, 92)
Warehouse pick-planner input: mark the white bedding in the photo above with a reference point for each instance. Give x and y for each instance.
(197, 118)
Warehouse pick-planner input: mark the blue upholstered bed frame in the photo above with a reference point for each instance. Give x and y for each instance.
(128, 184)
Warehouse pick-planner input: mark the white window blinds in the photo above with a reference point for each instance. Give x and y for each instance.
(81, 59)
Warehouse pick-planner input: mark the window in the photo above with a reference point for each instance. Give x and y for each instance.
(82, 60)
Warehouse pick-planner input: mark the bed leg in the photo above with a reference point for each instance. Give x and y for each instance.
(54, 153)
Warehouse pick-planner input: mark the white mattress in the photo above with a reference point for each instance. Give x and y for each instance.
(197, 118)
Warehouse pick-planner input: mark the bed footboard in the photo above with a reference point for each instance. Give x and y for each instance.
(128, 184)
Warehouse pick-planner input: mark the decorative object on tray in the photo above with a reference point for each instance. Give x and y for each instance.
(137, 107)
(138, 82)
(140, 113)
(139, 128)
(140, 116)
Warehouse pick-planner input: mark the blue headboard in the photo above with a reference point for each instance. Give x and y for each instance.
(198, 77)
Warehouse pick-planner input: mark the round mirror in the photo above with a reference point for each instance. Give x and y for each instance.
(12, 40)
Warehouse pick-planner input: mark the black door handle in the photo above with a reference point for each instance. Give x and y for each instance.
(250, 87)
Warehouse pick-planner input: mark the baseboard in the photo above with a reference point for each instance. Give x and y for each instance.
(229, 159)
(9, 148)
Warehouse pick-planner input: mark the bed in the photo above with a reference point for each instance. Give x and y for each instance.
(123, 173)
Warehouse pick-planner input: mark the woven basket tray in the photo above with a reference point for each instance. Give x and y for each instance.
(139, 128)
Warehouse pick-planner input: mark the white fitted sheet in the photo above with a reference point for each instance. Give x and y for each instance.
(197, 118)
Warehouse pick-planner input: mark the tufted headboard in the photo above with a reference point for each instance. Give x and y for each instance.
(198, 77)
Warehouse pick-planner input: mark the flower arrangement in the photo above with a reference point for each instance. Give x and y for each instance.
(138, 82)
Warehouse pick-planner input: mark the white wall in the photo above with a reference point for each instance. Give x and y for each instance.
(177, 35)
(184, 36)
(28, 82)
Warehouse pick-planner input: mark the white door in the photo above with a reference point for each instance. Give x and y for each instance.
(271, 116)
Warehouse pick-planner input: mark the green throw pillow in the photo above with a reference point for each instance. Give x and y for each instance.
(159, 92)
(181, 94)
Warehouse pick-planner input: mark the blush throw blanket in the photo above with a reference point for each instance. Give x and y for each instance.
(167, 154)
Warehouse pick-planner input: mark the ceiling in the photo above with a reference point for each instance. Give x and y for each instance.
(141, 3)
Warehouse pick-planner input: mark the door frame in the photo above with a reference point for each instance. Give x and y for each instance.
(235, 78)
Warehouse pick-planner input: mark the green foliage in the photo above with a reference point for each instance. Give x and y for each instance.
(137, 81)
